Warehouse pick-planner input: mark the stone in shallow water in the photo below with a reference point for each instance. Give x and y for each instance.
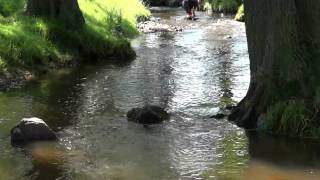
(230, 107)
(157, 26)
(147, 115)
(31, 129)
(218, 116)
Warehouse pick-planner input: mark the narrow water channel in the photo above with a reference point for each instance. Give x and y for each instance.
(193, 74)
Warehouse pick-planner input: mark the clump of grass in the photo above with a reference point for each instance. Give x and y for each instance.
(295, 119)
(222, 6)
(30, 42)
(225, 6)
(316, 109)
(103, 16)
(288, 117)
(11, 7)
(1, 63)
(24, 42)
(316, 100)
(240, 14)
(207, 6)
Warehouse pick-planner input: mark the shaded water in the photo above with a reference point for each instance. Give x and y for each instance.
(193, 73)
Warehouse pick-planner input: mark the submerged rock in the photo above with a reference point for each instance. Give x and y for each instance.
(31, 129)
(13, 78)
(230, 107)
(147, 115)
(218, 116)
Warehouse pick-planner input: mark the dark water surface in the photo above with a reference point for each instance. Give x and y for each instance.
(193, 74)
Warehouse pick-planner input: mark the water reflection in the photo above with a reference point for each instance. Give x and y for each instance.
(284, 151)
(47, 159)
(258, 170)
(232, 157)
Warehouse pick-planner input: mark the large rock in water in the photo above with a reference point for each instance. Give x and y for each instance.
(31, 129)
(147, 115)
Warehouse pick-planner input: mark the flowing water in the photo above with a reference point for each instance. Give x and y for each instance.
(193, 74)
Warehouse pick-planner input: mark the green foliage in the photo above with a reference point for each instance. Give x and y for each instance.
(2, 64)
(30, 42)
(240, 14)
(291, 118)
(107, 17)
(225, 6)
(269, 121)
(294, 119)
(23, 42)
(207, 6)
(11, 7)
(316, 100)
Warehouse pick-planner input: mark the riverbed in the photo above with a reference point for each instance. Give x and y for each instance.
(193, 73)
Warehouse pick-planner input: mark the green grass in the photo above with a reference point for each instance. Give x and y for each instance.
(32, 42)
(9, 8)
(224, 6)
(240, 14)
(106, 16)
(291, 118)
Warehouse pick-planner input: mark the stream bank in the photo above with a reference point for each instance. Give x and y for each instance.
(38, 45)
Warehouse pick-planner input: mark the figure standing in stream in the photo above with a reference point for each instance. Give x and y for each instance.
(190, 6)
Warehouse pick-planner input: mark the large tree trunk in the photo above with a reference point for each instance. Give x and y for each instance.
(284, 50)
(66, 10)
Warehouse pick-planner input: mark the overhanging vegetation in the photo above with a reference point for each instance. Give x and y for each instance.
(31, 42)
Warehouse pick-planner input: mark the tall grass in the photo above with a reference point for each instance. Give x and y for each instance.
(105, 16)
(240, 14)
(11, 7)
(225, 6)
(31, 42)
(289, 117)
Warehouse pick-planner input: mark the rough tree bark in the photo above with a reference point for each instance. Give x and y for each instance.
(284, 50)
(66, 10)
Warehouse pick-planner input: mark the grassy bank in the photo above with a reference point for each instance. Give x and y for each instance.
(32, 43)
(240, 14)
(222, 6)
